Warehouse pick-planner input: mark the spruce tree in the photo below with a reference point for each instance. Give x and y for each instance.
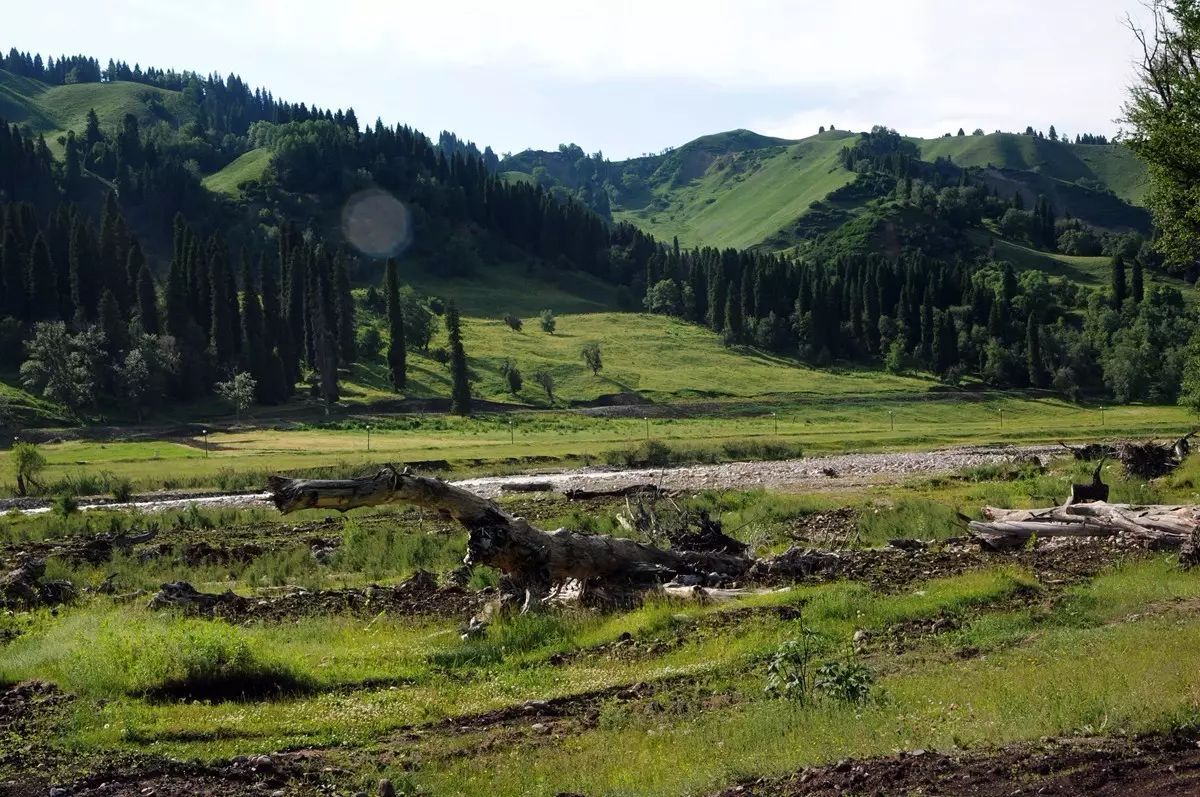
(1117, 276)
(734, 320)
(279, 338)
(345, 312)
(73, 172)
(460, 391)
(1137, 288)
(43, 282)
(254, 351)
(111, 323)
(324, 331)
(221, 330)
(396, 355)
(15, 300)
(147, 300)
(1033, 352)
(134, 261)
(84, 286)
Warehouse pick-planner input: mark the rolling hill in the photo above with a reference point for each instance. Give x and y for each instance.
(742, 189)
(53, 110)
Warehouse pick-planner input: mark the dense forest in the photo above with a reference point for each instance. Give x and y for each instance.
(125, 280)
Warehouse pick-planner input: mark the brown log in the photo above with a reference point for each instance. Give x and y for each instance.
(534, 559)
(1164, 526)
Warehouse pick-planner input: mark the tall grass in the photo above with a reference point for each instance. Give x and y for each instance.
(150, 656)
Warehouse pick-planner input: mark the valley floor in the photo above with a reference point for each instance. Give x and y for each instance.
(334, 662)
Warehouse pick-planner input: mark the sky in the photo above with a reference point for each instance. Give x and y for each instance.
(625, 77)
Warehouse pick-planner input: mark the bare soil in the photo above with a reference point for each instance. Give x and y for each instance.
(1156, 766)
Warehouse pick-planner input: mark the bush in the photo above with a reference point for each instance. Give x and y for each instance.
(27, 462)
(845, 681)
(122, 490)
(370, 342)
(548, 322)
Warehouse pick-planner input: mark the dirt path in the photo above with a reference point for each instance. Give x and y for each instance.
(835, 472)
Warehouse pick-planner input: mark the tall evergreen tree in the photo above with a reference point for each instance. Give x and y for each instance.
(460, 391)
(112, 324)
(15, 301)
(345, 312)
(134, 261)
(1117, 278)
(84, 284)
(396, 356)
(1033, 352)
(255, 356)
(1137, 288)
(72, 171)
(43, 282)
(735, 327)
(147, 300)
(222, 329)
(324, 332)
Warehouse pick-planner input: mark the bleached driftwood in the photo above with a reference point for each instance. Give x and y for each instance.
(1159, 526)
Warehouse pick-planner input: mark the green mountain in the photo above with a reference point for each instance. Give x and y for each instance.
(741, 189)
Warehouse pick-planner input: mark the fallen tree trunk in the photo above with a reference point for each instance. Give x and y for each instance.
(535, 560)
(1159, 526)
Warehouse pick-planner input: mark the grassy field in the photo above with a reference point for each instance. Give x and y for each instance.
(247, 167)
(499, 443)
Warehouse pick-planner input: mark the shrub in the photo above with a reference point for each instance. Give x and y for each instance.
(845, 681)
(122, 490)
(548, 322)
(28, 462)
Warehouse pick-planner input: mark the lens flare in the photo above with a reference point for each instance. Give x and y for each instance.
(376, 223)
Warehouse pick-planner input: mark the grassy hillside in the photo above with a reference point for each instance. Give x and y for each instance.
(53, 110)
(247, 167)
(1112, 165)
(742, 189)
(742, 198)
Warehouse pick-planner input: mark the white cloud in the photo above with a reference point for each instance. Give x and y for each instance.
(923, 66)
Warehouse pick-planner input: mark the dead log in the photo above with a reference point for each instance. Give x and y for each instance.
(1156, 526)
(584, 494)
(1091, 451)
(527, 487)
(536, 561)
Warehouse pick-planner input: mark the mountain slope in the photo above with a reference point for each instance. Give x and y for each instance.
(741, 189)
(743, 197)
(53, 110)
(1111, 166)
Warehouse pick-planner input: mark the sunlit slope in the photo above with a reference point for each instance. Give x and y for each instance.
(743, 198)
(1112, 165)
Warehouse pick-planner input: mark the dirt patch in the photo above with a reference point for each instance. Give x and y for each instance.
(1160, 766)
(279, 775)
(27, 710)
(837, 528)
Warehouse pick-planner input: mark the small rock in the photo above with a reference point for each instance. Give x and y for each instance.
(539, 727)
(386, 789)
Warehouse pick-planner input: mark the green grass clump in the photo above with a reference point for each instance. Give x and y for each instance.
(156, 657)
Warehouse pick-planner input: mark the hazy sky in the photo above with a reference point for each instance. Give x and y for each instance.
(632, 77)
